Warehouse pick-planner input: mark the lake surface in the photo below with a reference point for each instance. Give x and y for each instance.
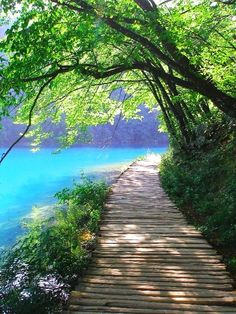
(30, 179)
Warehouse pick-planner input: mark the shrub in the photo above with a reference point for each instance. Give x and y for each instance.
(203, 185)
(39, 271)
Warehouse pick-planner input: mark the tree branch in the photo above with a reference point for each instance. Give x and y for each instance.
(62, 69)
(227, 1)
(4, 155)
(135, 66)
(146, 5)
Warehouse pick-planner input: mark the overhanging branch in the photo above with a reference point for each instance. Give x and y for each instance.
(62, 69)
(4, 155)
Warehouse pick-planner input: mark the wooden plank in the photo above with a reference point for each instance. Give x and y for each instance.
(151, 287)
(161, 262)
(110, 290)
(157, 274)
(131, 226)
(78, 309)
(194, 252)
(129, 244)
(151, 305)
(213, 300)
(139, 239)
(158, 284)
(166, 265)
(142, 222)
(106, 275)
(191, 247)
(160, 269)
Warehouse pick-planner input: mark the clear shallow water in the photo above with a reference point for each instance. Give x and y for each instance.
(31, 179)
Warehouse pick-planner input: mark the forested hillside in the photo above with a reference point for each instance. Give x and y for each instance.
(139, 132)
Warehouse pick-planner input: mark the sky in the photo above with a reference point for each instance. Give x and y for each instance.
(2, 31)
(3, 28)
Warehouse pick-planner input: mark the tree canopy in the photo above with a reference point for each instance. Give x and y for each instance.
(61, 59)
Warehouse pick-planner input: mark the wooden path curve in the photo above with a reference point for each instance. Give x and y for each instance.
(148, 259)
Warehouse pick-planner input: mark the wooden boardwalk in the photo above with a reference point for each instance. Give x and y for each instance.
(148, 259)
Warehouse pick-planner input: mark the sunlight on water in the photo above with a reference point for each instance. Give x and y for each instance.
(31, 179)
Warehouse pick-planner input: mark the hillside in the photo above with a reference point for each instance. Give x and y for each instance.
(131, 133)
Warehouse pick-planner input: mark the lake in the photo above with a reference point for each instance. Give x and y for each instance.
(30, 179)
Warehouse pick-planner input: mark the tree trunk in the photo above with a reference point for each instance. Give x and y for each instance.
(167, 119)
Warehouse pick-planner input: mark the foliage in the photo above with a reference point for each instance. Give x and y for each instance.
(203, 185)
(63, 59)
(38, 272)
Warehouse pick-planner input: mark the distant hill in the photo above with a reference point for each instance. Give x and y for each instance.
(132, 133)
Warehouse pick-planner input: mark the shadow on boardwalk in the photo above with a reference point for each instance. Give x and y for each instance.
(148, 259)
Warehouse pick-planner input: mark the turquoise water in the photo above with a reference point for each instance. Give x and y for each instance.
(30, 179)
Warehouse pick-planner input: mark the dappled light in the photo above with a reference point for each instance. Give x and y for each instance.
(149, 258)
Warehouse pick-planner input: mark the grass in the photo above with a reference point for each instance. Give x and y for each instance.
(39, 271)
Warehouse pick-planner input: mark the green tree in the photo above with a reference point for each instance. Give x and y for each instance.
(64, 58)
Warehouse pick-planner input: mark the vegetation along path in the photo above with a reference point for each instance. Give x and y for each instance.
(148, 259)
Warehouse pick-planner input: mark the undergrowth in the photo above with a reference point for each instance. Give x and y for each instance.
(203, 185)
(38, 272)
